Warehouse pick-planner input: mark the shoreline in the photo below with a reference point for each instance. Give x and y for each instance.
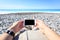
(3, 13)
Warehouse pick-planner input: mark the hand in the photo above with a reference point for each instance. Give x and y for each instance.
(40, 24)
(16, 26)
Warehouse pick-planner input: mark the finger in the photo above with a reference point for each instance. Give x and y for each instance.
(21, 22)
(17, 23)
(37, 22)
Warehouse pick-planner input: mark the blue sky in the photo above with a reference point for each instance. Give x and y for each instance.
(29, 4)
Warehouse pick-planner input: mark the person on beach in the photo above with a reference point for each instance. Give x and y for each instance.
(17, 26)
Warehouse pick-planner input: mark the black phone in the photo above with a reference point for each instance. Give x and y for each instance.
(29, 22)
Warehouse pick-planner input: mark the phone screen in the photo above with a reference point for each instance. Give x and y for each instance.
(29, 22)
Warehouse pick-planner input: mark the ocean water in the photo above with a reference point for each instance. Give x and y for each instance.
(29, 9)
(3, 11)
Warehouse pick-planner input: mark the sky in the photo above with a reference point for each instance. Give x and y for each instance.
(29, 4)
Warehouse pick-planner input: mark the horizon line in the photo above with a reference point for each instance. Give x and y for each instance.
(29, 9)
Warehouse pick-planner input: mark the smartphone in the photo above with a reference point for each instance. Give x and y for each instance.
(29, 22)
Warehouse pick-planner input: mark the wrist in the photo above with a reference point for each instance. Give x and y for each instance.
(12, 30)
(43, 28)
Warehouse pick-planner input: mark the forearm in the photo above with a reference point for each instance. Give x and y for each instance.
(51, 35)
(17, 26)
(6, 36)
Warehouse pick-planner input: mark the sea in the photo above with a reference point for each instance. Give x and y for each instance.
(6, 11)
